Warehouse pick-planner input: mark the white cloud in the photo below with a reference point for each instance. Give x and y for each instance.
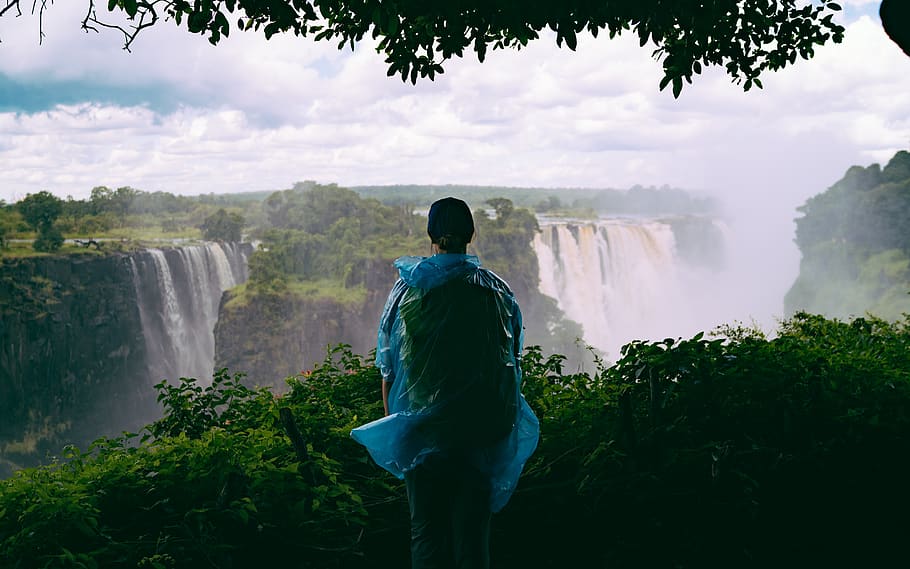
(262, 114)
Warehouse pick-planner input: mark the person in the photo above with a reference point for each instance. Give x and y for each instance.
(457, 429)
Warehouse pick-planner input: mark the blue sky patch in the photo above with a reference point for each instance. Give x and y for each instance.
(26, 96)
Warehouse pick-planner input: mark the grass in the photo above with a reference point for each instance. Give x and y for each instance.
(322, 289)
(24, 250)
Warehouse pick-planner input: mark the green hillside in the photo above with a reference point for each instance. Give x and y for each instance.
(855, 244)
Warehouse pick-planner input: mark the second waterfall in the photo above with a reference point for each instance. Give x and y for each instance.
(622, 279)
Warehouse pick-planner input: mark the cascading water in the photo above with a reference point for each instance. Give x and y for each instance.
(179, 291)
(621, 279)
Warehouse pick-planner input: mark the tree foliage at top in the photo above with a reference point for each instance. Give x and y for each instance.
(417, 37)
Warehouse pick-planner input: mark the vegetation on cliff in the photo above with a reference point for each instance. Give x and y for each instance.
(118, 219)
(738, 451)
(855, 244)
(325, 232)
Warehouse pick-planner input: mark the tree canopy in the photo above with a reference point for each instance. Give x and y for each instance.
(417, 37)
(855, 245)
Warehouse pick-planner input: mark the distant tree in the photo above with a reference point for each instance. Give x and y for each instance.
(222, 226)
(49, 240)
(73, 213)
(504, 242)
(552, 203)
(503, 208)
(898, 168)
(40, 211)
(116, 203)
(100, 199)
(743, 38)
(8, 223)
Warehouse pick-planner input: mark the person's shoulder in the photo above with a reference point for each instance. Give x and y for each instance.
(487, 278)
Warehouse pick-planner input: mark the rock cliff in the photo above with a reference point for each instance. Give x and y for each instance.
(70, 333)
(272, 336)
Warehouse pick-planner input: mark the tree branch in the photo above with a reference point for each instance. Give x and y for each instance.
(146, 16)
(9, 5)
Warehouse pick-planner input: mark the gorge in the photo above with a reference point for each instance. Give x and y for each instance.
(84, 338)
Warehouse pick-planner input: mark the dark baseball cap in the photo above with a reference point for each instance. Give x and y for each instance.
(450, 216)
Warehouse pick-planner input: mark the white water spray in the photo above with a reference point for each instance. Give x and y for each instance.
(623, 279)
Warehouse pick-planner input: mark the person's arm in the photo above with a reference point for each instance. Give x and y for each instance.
(384, 341)
(386, 385)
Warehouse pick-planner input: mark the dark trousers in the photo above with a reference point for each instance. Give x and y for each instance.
(450, 515)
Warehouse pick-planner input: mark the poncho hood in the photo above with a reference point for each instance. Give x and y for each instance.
(430, 272)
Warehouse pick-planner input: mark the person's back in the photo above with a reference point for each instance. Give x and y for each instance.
(457, 429)
(459, 351)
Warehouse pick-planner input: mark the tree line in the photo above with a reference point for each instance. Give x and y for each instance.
(49, 219)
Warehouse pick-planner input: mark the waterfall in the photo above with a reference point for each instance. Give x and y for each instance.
(179, 292)
(621, 279)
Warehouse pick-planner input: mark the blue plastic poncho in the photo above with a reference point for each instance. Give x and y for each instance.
(449, 342)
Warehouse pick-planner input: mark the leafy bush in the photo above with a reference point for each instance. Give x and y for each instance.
(214, 483)
(729, 451)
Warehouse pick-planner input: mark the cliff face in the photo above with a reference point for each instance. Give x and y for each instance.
(70, 331)
(270, 337)
(84, 338)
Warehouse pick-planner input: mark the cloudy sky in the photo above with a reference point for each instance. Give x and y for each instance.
(180, 115)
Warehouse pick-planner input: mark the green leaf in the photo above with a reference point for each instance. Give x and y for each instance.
(130, 7)
(677, 87)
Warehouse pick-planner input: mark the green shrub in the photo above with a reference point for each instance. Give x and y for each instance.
(729, 451)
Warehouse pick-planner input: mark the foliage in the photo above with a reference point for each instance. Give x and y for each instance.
(324, 231)
(117, 202)
(851, 236)
(733, 451)
(503, 241)
(220, 485)
(49, 240)
(222, 226)
(742, 452)
(895, 14)
(9, 223)
(40, 211)
(744, 38)
(127, 214)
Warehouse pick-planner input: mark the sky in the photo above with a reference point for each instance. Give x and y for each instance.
(179, 115)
